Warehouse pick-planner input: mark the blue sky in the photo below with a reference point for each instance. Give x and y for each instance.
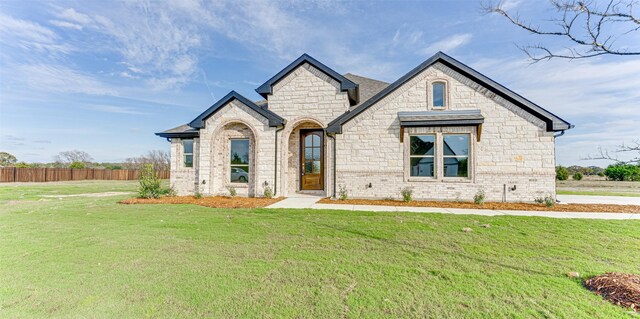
(103, 76)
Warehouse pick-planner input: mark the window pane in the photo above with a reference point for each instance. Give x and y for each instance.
(308, 167)
(240, 174)
(456, 144)
(187, 146)
(316, 140)
(438, 94)
(316, 153)
(308, 153)
(316, 167)
(456, 167)
(423, 145)
(422, 166)
(188, 161)
(239, 151)
(308, 141)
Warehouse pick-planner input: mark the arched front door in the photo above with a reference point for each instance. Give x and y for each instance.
(311, 160)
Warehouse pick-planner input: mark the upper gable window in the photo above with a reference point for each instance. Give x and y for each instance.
(438, 93)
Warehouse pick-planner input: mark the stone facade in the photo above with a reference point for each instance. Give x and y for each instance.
(511, 155)
(514, 147)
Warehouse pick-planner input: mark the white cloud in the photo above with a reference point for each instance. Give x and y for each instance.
(448, 44)
(61, 79)
(65, 24)
(112, 109)
(75, 16)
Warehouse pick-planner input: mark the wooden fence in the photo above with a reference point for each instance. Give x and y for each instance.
(13, 174)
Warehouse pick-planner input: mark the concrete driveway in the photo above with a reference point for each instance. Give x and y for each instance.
(588, 199)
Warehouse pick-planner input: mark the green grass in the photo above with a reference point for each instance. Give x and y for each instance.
(82, 257)
(35, 191)
(596, 193)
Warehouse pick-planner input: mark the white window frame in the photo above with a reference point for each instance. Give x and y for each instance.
(434, 156)
(468, 156)
(185, 154)
(445, 93)
(231, 166)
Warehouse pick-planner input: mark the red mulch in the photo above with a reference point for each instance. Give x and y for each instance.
(213, 201)
(620, 289)
(492, 205)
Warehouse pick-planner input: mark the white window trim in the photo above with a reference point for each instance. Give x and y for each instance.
(184, 153)
(430, 94)
(439, 154)
(230, 166)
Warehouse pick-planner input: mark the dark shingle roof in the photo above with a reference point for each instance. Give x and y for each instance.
(553, 122)
(366, 86)
(274, 119)
(184, 131)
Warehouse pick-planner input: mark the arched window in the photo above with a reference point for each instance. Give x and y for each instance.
(438, 93)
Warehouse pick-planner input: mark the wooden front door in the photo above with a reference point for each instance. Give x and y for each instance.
(311, 160)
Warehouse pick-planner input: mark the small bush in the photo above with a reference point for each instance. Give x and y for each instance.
(197, 195)
(149, 183)
(171, 192)
(577, 176)
(478, 198)
(539, 200)
(343, 193)
(562, 173)
(407, 194)
(268, 192)
(77, 165)
(601, 174)
(233, 192)
(549, 201)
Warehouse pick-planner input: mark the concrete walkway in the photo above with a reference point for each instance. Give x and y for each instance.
(589, 199)
(309, 201)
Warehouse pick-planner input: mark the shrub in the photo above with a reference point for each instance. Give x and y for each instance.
(601, 174)
(22, 165)
(577, 176)
(549, 201)
(539, 200)
(478, 198)
(407, 194)
(623, 172)
(268, 192)
(562, 174)
(233, 192)
(197, 195)
(149, 183)
(343, 194)
(77, 165)
(171, 192)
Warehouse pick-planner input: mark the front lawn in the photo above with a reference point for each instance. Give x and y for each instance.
(82, 257)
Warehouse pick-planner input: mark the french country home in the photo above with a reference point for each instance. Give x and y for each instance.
(442, 130)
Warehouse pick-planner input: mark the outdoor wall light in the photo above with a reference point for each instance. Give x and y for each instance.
(204, 182)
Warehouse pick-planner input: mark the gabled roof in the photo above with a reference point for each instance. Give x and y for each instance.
(274, 119)
(367, 87)
(553, 122)
(182, 131)
(345, 84)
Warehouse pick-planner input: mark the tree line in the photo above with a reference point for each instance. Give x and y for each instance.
(81, 159)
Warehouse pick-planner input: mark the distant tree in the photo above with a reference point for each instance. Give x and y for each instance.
(66, 158)
(623, 172)
(634, 147)
(7, 159)
(161, 160)
(591, 28)
(577, 176)
(22, 165)
(562, 174)
(77, 165)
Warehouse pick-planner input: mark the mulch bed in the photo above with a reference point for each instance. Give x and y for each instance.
(620, 289)
(492, 205)
(214, 201)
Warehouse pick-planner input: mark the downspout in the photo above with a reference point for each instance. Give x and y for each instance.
(333, 163)
(275, 164)
(558, 135)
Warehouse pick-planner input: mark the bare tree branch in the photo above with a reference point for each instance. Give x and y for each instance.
(582, 23)
(624, 148)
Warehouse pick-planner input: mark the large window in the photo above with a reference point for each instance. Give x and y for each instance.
(438, 91)
(187, 150)
(422, 154)
(455, 155)
(239, 158)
